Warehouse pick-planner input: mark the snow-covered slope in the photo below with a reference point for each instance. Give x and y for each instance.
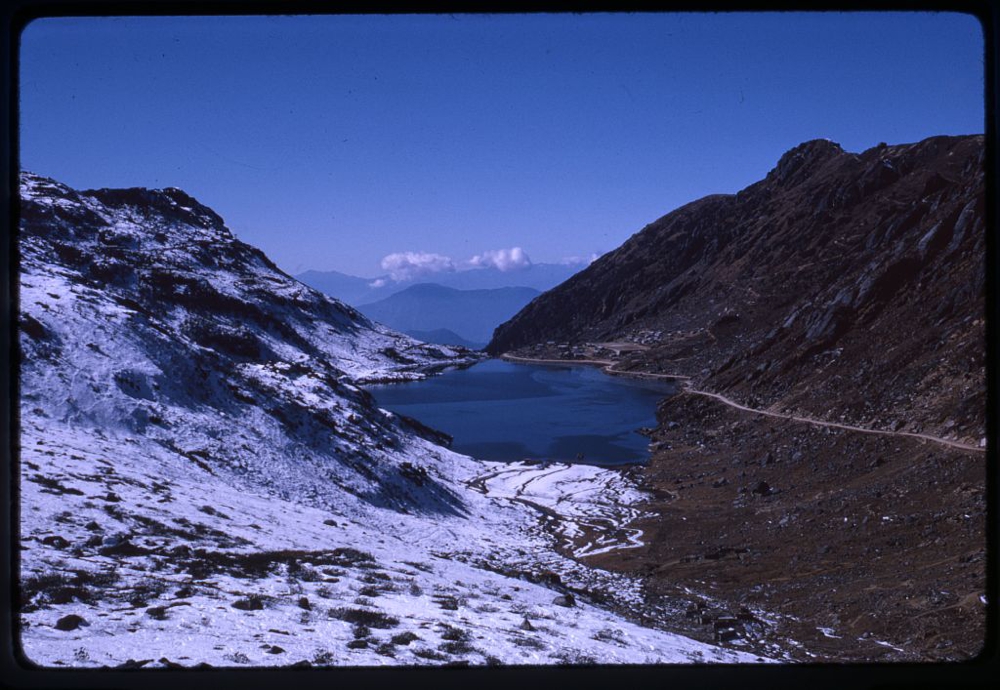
(203, 481)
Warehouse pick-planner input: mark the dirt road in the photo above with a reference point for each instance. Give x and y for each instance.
(608, 367)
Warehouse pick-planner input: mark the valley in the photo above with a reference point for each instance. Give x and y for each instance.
(212, 464)
(205, 482)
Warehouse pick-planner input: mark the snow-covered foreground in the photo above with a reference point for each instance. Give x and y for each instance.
(202, 481)
(588, 507)
(163, 563)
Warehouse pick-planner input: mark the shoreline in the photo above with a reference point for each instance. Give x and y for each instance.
(607, 366)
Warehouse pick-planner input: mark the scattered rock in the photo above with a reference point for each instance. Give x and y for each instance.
(567, 600)
(724, 622)
(404, 638)
(549, 577)
(121, 545)
(70, 622)
(446, 602)
(132, 663)
(251, 603)
(726, 635)
(113, 540)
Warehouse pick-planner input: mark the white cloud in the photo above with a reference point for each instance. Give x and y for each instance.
(503, 259)
(409, 265)
(579, 260)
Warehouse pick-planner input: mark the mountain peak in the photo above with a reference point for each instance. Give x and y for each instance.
(35, 186)
(171, 203)
(799, 162)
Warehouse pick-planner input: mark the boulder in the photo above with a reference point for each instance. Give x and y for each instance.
(567, 600)
(70, 622)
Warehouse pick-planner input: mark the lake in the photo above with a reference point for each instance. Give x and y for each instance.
(498, 410)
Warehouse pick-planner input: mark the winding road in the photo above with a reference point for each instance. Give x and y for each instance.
(608, 367)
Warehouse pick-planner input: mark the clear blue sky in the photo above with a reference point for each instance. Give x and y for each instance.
(331, 142)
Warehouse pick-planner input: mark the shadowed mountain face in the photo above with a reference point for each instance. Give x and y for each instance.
(847, 286)
(843, 287)
(471, 314)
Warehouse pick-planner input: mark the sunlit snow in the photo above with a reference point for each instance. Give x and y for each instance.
(202, 481)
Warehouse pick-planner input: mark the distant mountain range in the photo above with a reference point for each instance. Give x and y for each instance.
(356, 291)
(457, 308)
(436, 312)
(443, 336)
(350, 289)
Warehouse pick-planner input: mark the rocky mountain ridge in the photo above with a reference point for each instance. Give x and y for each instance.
(772, 295)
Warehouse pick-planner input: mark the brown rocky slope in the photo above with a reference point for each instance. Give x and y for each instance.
(843, 287)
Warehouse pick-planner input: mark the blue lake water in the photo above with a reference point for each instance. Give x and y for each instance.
(497, 410)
